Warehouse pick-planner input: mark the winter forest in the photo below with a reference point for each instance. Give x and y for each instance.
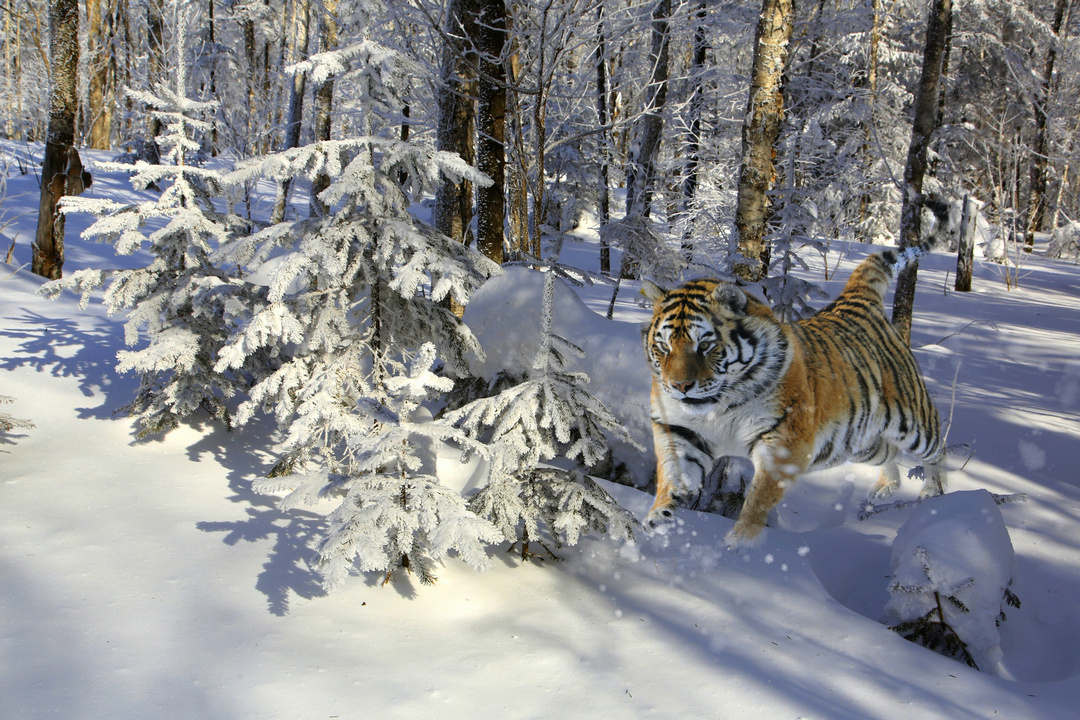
(389, 252)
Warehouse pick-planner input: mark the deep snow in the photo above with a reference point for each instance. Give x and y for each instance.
(146, 580)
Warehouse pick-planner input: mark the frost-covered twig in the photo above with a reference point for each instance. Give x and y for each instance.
(868, 509)
(9, 423)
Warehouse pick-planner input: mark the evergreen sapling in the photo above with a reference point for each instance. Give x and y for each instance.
(181, 301)
(547, 415)
(355, 320)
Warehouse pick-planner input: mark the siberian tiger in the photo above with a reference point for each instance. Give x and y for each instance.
(840, 386)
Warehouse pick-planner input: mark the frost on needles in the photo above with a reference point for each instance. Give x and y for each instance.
(180, 302)
(542, 415)
(356, 326)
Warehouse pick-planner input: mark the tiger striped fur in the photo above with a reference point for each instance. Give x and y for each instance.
(840, 386)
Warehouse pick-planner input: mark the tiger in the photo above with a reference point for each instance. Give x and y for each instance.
(729, 379)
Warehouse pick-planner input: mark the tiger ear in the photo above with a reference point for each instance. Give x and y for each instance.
(652, 291)
(731, 297)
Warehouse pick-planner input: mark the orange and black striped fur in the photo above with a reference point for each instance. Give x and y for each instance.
(840, 386)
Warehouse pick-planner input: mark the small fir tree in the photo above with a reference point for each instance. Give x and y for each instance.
(180, 302)
(8, 422)
(952, 575)
(354, 320)
(545, 415)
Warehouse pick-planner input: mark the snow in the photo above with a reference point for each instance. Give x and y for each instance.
(955, 548)
(147, 579)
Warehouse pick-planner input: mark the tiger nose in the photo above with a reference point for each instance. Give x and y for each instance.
(683, 387)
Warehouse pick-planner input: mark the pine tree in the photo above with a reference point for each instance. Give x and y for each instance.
(181, 301)
(353, 321)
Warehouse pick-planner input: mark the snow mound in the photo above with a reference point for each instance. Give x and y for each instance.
(954, 555)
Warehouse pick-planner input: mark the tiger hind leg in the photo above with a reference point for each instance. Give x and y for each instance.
(935, 478)
(888, 481)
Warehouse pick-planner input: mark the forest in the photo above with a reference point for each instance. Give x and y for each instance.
(313, 308)
(411, 149)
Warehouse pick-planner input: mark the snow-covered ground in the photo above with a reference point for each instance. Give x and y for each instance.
(142, 580)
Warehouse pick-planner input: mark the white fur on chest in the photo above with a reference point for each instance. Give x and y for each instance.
(726, 430)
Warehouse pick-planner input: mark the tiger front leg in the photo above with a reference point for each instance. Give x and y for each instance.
(776, 468)
(681, 461)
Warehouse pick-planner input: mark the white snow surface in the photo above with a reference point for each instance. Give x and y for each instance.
(146, 579)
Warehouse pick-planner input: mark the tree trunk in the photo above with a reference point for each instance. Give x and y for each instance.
(324, 102)
(965, 254)
(872, 86)
(642, 167)
(296, 104)
(539, 123)
(102, 81)
(48, 247)
(155, 32)
(602, 140)
(455, 129)
(1037, 203)
(761, 127)
(211, 27)
(693, 142)
(491, 128)
(922, 129)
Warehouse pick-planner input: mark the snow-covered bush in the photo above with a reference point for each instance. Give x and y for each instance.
(356, 326)
(952, 565)
(645, 253)
(787, 293)
(1065, 242)
(180, 302)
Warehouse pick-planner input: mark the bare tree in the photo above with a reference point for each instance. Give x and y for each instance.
(324, 100)
(923, 125)
(1037, 202)
(301, 13)
(490, 27)
(61, 158)
(456, 120)
(761, 127)
(642, 166)
(605, 153)
(693, 140)
(101, 95)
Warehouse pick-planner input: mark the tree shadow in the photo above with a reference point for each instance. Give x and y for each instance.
(289, 566)
(66, 348)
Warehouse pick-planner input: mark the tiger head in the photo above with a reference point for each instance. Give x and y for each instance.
(710, 342)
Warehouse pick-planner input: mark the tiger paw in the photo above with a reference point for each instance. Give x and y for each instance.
(659, 517)
(881, 492)
(742, 538)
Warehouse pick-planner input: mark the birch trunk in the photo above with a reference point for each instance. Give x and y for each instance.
(923, 125)
(761, 127)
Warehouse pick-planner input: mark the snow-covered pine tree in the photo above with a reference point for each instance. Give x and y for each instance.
(545, 415)
(180, 300)
(787, 293)
(354, 319)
